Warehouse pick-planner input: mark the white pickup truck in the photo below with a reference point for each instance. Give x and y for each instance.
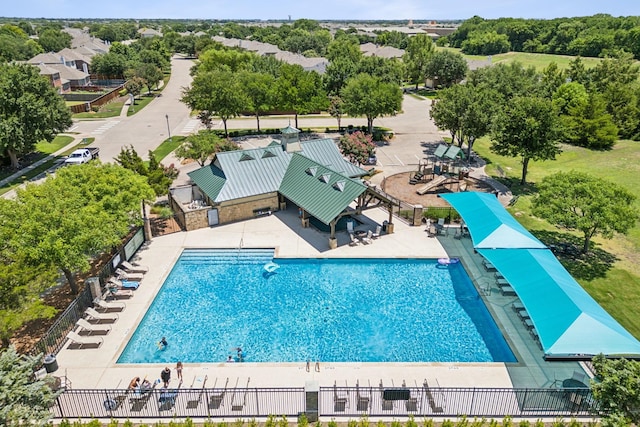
(82, 155)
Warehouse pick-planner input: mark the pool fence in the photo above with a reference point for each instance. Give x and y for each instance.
(327, 402)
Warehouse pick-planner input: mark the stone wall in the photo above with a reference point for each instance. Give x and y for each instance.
(247, 208)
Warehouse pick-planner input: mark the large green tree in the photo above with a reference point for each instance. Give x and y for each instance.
(419, 51)
(30, 110)
(259, 88)
(219, 92)
(23, 399)
(202, 146)
(54, 40)
(579, 201)
(76, 215)
(617, 390)
(368, 96)
(446, 68)
(299, 91)
(465, 111)
(526, 127)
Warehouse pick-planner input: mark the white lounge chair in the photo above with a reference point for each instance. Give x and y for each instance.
(115, 292)
(367, 240)
(376, 233)
(131, 268)
(124, 284)
(128, 276)
(82, 342)
(92, 329)
(354, 241)
(109, 306)
(93, 314)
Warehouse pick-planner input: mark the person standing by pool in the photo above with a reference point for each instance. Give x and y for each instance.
(165, 375)
(179, 370)
(240, 355)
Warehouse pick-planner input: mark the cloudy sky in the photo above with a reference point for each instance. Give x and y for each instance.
(313, 9)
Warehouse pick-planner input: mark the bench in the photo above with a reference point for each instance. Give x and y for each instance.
(262, 211)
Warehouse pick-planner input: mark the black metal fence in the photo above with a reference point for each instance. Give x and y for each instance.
(55, 337)
(328, 402)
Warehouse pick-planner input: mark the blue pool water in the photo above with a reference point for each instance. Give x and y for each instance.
(331, 310)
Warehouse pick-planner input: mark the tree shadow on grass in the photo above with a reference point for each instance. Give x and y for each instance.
(567, 247)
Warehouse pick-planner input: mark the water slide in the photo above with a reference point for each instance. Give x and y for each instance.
(432, 184)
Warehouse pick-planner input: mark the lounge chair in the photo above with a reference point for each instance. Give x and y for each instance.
(124, 284)
(216, 399)
(239, 397)
(91, 329)
(387, 405)
(488, 266)
(435, 399)
(194, 401)
(376, 233)
(115, 292)
(101, 317)
(508, 291)
(517, 306)
(414, 397)
(367, 240)
(340, 399)
(353, 240)
(82, 342)
(350, 227)
(364, 397)
(523, 314)
(131, 268)
(138, 403)
(109, 306)
(502, 282)
(128, 276)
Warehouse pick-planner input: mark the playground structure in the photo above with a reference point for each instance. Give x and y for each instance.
(444, 168)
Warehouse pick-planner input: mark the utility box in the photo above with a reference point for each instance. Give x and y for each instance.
(94, 286)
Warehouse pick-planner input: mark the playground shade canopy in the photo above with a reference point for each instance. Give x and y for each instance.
(569, 323)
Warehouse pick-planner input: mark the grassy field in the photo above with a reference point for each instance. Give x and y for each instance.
(537, 60)
(611, 273)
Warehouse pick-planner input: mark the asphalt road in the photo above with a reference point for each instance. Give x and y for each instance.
(146, 129)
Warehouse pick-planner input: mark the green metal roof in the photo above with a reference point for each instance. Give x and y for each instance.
(251, 172)
(326, 152)
(289, 129)
(440, 150)
(209, 179)
(320, 191)
(453, 152)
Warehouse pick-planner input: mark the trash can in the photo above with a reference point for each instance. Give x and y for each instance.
(50, 363)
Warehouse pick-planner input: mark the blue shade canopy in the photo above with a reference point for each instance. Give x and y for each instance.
(568, 321)
(490, 225)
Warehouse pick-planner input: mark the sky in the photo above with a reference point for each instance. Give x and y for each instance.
(314, 9)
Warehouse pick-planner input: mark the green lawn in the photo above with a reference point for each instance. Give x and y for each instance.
(611, 273)
(53, 146)
(111, 109)
(167, 146)
(537, 60)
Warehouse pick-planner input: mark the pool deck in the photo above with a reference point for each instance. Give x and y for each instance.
(96, 368)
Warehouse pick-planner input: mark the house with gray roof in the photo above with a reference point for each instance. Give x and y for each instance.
(240, 185)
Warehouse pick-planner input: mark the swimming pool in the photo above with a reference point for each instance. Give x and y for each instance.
(331, 310)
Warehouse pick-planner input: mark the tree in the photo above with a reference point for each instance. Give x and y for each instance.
(258, 88)
(149, 73)
(579, 201)
(357, 147)
(588, 124)
(54, 40)
(527, 127)
(465, 111)
(365, 95)
(30, 110)
(134, 85)
(109, 64)
(23, 400)
(337, 73)
(446, 68)
(617, 390)
(158, 176)
(88, 209)
(202, 146)
(299, 91)
(486, 43)
(420, 50)
(217, 92)
(336, 108)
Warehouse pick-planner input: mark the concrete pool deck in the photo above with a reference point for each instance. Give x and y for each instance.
(96, 368)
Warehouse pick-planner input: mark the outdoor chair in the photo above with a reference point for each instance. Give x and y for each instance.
(367, 240)
(340, 399)
(128, 276)
(109, 306)
(364, 397)
(124, 284)
(114, 292)
(131, 268)
(100, 317)
(91, 329)
(353, 240)
(376, 233)
(81, 342)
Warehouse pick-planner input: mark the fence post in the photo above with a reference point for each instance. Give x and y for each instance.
(417, 216)
(311, 390)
